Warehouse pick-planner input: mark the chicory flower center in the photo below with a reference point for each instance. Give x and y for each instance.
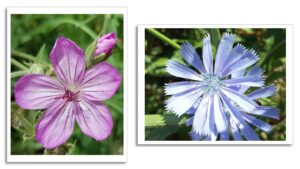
(212, 84)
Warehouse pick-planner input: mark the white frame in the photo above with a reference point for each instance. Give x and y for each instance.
(289, 87)
(65, 158)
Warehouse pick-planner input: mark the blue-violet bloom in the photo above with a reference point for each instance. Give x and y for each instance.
(216, 94)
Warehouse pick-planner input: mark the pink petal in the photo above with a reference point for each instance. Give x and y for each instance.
(34, 91)
(94, 119)
(68, 61)
(56, 125)
(100, 82)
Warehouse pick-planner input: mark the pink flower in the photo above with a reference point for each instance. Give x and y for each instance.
(105, 44)
(76, 95)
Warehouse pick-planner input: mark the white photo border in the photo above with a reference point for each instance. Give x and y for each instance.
(65, 158)
(289, 86)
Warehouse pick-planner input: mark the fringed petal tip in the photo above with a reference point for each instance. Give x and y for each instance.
(240, 48)
(206, 38)
(254, 54)
(228, 37)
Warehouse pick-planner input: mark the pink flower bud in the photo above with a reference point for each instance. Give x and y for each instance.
(105, 44)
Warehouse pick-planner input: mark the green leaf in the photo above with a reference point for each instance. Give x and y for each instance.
(42, 56)
(158, 127)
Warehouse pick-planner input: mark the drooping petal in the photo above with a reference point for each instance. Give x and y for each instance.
(246, 81)
(263, 92)
(224, 48)
(182, 102)
(179, 70)
(56, 125)
(190, 55)
(94, 119)
(258, 123)
(243, 101)
(35, 91)
(100, 82)
(219, 115)
(68, 61)
(267, 111)
(207, 54)
(178, 87)
(248, 59)
(235, 132)
(201, 115)
(248, 132)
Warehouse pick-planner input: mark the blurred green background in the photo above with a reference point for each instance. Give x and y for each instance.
(32, 39)
(270, 44)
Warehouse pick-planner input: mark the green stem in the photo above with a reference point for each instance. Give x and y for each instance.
(18, 74)
(22, 55)
(163, 38)
(215, 36)
(106, 19)
(18, 65)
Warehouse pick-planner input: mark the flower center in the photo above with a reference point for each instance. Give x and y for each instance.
(70, 95)
(212, 84)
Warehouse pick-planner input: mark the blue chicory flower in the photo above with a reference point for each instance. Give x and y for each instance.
(216, 96)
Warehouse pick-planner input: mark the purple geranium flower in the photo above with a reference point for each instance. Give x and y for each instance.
(76, 94)
(215, 96)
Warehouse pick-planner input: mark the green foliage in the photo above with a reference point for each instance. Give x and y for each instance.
(33, 37)
(268, 43)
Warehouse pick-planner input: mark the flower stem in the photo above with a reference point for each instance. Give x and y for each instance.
(22, 55)
(215, 36)
(18, 74)
(163, 38)
(18, 64)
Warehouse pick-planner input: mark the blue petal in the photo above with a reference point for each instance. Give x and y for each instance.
(254, 72)
(224, 48)
(243, 101)
(179, 70)
(195, 136)
(258, 123)
(209, 125)
(235, 54)
(248, 132)
(189, 121)
(237, 119)
(267, 111)
(201, 115)
(178, 87)
(238, 74)
(182, 102)
(246, 81)
(207, 54)
(220, 119)
(235, 132)
(234, 113)
(190, 55)
(248, 59)
(263, 92)
(224, 136)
